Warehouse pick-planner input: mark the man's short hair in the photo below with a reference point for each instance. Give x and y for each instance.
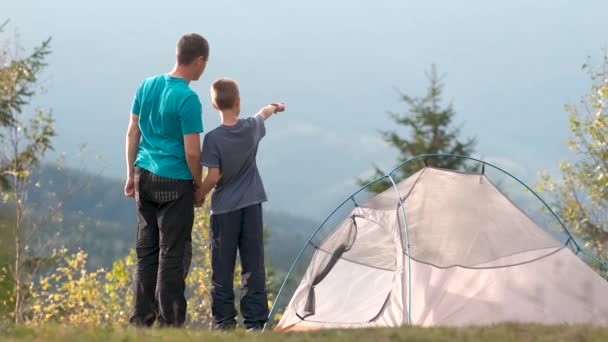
(191, 46)
(226, 92)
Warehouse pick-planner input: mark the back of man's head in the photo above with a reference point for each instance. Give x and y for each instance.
(224, 93)
(191, 46)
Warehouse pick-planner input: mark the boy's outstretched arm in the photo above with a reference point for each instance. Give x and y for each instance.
(270, 109)
(211, 178)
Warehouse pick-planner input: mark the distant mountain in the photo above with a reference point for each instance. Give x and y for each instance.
(97, 217)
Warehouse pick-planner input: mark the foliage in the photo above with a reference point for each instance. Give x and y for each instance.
(23, 144)
(580, 193)
(72, 295)
(428, 130)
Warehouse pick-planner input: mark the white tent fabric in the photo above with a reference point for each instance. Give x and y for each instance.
(475, 259)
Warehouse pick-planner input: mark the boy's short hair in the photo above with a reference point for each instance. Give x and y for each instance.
(225, 93)
(191, 46)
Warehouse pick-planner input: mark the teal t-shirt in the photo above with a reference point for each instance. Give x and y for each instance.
(167, 109)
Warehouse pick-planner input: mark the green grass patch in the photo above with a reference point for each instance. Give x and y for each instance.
(503, 332)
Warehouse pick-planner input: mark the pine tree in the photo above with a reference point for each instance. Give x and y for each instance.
(428, 130)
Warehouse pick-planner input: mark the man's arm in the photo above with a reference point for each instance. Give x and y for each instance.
(211, 179)
(192, 147)
(267, 111)
(132, 145)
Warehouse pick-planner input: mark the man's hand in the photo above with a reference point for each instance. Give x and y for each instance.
(130, 187)
(199, 197)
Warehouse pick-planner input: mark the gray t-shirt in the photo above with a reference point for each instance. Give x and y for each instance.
(233, 149)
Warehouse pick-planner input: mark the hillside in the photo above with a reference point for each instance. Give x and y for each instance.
(95, 216)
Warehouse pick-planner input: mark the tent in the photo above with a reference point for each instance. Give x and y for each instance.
(442, 248)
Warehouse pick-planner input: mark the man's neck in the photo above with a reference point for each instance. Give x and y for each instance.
(229, 117)
(180, 72)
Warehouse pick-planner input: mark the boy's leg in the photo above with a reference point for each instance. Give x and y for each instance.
(224, 240)
(175, 218)
(254, 302)
(144, 282)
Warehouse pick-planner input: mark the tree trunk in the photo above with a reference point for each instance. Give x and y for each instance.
(18, 257)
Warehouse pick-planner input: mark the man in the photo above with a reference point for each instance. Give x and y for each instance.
(164, 175)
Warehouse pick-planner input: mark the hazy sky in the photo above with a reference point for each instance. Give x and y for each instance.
(510, 66)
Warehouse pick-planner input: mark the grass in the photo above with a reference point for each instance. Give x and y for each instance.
(503, 332)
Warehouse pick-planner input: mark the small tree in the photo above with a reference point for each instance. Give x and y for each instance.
(24, 142)
(581, 192)
(428, 129)
(72, 294)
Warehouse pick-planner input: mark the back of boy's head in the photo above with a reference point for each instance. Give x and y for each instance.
(224, 93)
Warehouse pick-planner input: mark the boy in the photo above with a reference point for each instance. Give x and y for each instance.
(229, 152)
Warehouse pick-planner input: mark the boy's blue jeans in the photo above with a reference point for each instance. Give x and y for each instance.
(240, 230)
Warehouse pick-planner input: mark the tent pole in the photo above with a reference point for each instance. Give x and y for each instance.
(407, 251)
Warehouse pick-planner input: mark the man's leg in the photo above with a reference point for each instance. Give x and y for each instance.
(188, 253)
(175, 218)
(144, 284)
(224, 239)
(254, 301)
